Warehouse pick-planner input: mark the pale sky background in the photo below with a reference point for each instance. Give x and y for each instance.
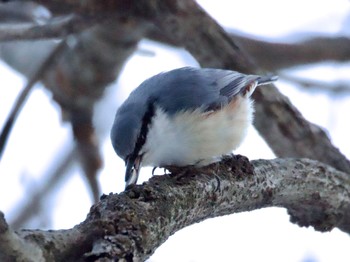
(263, 235)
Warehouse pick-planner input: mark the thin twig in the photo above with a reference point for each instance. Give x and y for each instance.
(32, 207)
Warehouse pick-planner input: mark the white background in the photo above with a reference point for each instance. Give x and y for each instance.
(264, 235)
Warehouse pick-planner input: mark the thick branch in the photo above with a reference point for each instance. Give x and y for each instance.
(15, 248)
(133, 224)
(274, 56)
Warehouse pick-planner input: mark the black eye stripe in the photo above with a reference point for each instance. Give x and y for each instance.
(146, 121)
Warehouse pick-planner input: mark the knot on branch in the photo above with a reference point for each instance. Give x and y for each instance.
(239, 165)
(316, 213)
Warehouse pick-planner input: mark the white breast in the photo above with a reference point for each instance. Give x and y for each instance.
(196, 138)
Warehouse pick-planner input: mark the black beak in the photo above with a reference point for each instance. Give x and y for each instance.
(132, 170)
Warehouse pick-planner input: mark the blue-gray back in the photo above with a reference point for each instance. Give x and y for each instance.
(178, 90)
(190, 88)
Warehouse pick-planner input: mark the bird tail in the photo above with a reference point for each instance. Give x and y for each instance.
(254, 81)
(264, 80)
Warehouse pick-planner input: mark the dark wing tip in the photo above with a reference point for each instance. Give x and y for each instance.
(264, 80)
(234, 86)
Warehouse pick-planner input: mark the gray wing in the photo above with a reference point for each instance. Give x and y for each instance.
(192, 88)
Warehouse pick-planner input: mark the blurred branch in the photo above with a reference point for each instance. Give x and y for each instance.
(339, 88)
(46, 65)
(55, 28)
(35, 198)
(26, 56)
(131, 225)
(22, 11)
(317, 49)
(92, 60)
(98, 8)
(88, 150)
(276, 56)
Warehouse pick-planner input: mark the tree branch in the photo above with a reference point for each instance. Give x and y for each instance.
(274, 56)
(77, 90)
(277, 56)
(335, 88)
(35, 198)
(15, 248)
(133, 224)
(46, 65)
(56, 28)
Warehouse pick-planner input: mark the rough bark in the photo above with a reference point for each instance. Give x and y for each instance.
(131, 225)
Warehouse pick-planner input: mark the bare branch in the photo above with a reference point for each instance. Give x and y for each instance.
(88, 150)
(101, 55)
(55, 28)
(340, 88)
(35, 198)
(317, 49)
(46, 65)
(133, 224)
(276, 56)
(92, 62)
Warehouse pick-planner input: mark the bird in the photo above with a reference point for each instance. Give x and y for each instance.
(184, 117)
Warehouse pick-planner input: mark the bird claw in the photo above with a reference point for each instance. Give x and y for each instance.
(164, 170)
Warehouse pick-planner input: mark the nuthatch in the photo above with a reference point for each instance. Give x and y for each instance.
(187, 116)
